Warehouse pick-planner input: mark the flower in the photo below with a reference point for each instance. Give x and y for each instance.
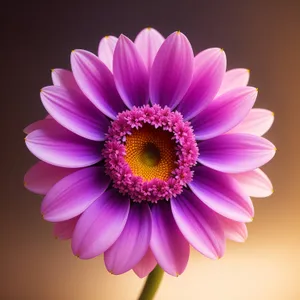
(147, 150)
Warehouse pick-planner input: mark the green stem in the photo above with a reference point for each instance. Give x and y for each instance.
(152, 284)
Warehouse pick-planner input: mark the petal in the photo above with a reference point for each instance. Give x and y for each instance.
(34, 126)
(75, 112)
(235, 231)
(133, 242)
(57, 146)
(106, 50)
(235, 153)
(257, 122)
(233, 79)
(41, 177)
(64, 230)
(169, 246)
(147, 42)
(199, 224)
(96, 82)
(221, 193)
(100, 225)
(172, 71)
(145, 265)
(130, 73)
(255, 183)
(64, 78)
(210, 66)
(74, 194)
(224, 113)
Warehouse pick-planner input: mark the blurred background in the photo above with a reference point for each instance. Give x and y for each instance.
(263, 36)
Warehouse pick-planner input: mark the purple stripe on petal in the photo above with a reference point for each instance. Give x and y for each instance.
(64, 78)
(224, 113)
(255, 183)
(257, 122)
(210, 66)
(148, 41)
(74, 194)
(131, 76)
(96, 82)
(133, 243)
(145, 265)
(199, 224)
(55, 145)
(169, 246)
(64, 230)
(75, 112)
(106, 50)
(100, 225)
(222, 194)
(41, 177)
(235, 153)
(172, 71)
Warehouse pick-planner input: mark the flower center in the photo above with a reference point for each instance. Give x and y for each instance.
(150, 153)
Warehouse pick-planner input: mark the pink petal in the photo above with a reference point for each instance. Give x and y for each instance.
(106, 50)
(221, 193)
(224, 113)
(36, 125)
(57, 146)
(199, 224)
(133, 243)
(169, 246)
(64, 230)
(172, 71)
(100, 225)
(74, 194)
(65, 78)
(75, 112)
(147, 42)
(257, 122)
(235, 153)
(96, 82)
(130, 73)
(145, 265)
(233, 79)
(255, 183)
(210, 66)
(41, 177)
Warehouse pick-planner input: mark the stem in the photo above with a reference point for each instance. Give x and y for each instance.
(152, 284)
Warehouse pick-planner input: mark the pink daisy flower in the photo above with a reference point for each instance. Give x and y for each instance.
(147, 150)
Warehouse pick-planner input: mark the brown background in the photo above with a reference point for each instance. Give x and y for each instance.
(263, 36)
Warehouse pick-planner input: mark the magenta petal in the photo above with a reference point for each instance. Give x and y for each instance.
(100, 225)
(55, 145)
(64, 230)
(172, 71)
(130, 73)
(133, 242)
(222, 193)
(233, 79)
(41, 177)
(75, 112)
(210, 66)
(64, 78)
(199, 224)
(235, 231)
(106, 50)
(169, 246)
(257, 122)
(96, 82)
(235, 153)
(145, 265)
(74, 194)
(255, 183)
(148, 41)
(35, 125)
(224, 113)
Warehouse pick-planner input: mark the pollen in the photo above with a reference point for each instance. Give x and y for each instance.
(150, 153)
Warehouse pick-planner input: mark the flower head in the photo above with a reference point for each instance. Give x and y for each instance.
(147, 150)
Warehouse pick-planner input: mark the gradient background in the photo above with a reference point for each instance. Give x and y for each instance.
(263, 36)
